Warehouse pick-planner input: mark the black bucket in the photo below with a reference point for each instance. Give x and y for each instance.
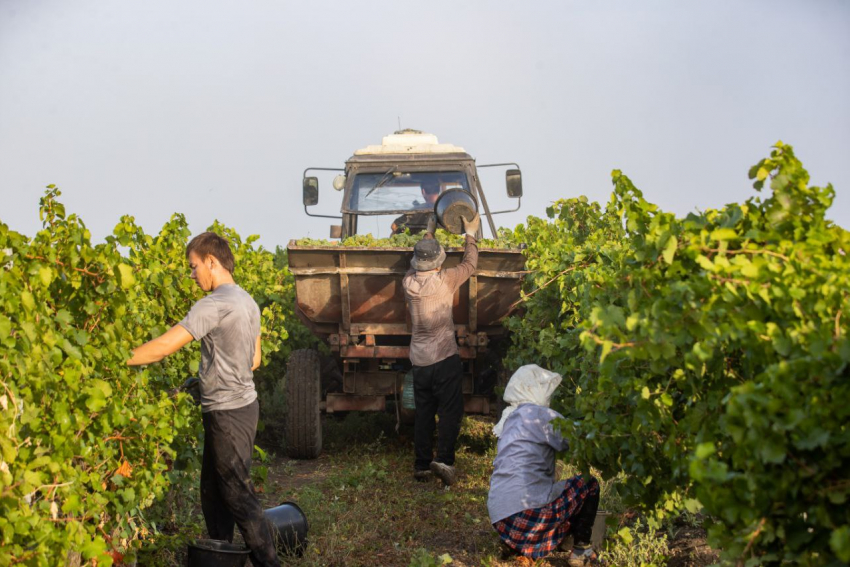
(452, 205)
(216, 553)
(289, 526)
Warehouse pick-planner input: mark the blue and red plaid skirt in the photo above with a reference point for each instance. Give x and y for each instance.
(536, 532)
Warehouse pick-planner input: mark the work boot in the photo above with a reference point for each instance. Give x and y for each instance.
(583, 556)
(507, 552)
(444, 472)
(422, 476)
(566, 544)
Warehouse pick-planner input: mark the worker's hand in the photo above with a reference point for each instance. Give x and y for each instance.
(431, 228)
(471, 226)
(192, 386)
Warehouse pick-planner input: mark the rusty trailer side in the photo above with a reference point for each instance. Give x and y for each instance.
(353, 298)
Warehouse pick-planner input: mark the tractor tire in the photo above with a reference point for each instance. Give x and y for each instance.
(303, 394)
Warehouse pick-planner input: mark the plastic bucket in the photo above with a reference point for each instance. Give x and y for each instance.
(289, 526)
(216, 553)
(451, 206)
(597, 536)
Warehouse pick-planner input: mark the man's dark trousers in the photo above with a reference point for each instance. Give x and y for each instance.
(227, 493)
(437, 390)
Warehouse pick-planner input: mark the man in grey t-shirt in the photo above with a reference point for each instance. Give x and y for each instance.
(227, 322)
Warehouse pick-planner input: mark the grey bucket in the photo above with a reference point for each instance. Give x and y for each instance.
(289, 526)
(451, 206)
(216, 553)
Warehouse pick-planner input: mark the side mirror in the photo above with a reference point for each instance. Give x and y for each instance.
(311, 191)
(513, 179)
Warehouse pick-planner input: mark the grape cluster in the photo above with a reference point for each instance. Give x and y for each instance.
(504, 240)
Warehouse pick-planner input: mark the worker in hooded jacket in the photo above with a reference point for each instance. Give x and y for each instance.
(531, 511)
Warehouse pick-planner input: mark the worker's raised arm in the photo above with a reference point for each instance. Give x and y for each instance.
(155, 350)
(455, 277)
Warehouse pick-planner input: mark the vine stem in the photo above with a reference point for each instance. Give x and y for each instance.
(53, 486)
(803, 465)
(14, 403)
(734, 280)
(10, 488)
(614, 345)
(68, 519)
(555, 277)
(22, 558)
(58, 263)
(753, 538)
(746, 251)
(93, 321)
(118, 437)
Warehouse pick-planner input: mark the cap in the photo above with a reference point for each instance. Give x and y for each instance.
(427, 255)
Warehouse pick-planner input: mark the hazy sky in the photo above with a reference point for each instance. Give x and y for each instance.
(213, 108)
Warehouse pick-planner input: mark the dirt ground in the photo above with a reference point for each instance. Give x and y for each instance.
(365, 508)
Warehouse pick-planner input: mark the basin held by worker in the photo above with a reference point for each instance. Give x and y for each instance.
(289, 526)
(216, 553)
(451, 206)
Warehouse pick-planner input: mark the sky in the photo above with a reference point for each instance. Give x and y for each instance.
(214, 108)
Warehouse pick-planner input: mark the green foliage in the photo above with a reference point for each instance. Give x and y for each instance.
(87, 442)
(706, 357)
(260, 472)
(421, 558)
(636, 546)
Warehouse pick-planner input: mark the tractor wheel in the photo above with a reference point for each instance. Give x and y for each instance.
(303, 394)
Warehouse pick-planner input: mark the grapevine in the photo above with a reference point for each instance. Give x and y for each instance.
(85, 441)
(707, 357)
(504, 240)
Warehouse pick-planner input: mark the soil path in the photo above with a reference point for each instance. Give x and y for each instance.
(364, 507)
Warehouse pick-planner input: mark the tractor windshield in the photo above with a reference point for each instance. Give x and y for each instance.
(394, 191)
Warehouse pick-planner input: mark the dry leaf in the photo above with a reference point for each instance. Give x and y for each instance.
(125, 469)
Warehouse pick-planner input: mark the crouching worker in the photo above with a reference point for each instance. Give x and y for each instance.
(227, 322)
(531, 512)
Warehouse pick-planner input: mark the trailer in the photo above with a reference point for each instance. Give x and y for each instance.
(352, 297)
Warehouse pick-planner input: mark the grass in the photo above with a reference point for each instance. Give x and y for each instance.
(637, 546)
(364, 507)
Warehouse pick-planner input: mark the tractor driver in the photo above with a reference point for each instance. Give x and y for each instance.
(417, 222)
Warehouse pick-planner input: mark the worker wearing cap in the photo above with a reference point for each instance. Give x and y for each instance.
(437, 368)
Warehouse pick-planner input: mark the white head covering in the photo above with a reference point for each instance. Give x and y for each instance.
(530, 384)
